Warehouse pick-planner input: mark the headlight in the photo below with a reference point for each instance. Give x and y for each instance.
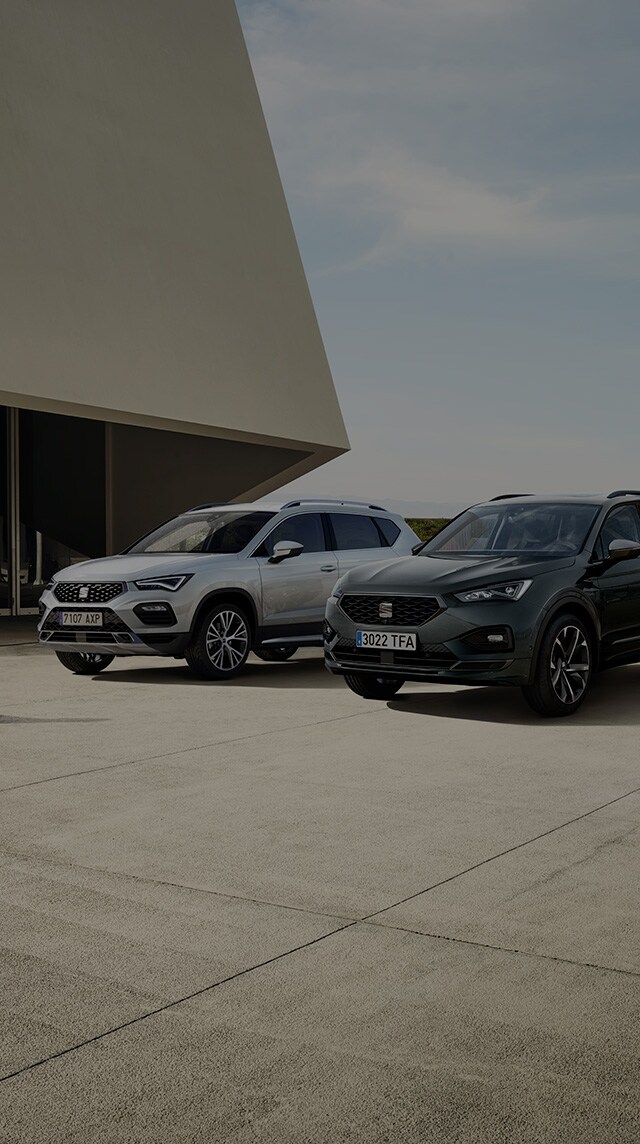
(337, 591)
(512, 591)
(162, 583)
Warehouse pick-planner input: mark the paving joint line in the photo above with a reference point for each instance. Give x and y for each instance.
(57, 862)
(502, 854)
(186, 751)
(504, 949)
(170, 1005)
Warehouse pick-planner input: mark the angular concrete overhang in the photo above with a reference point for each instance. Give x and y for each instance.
(150, 275)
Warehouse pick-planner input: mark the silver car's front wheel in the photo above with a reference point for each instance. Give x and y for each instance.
(221, 643)
(84, 662)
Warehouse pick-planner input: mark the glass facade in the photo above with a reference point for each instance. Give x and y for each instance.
(52, 500)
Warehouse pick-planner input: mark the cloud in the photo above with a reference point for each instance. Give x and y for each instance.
(489, 125)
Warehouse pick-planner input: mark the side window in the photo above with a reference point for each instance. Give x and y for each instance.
(306, 529)
(353, 531)
(622, 524)
(389, 530)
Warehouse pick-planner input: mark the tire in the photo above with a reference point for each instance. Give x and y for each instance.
(275, 654)
(373, 686)
(220, 644)
(564, 669)
(84, 662)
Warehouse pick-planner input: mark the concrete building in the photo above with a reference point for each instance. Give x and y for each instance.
(158, 343)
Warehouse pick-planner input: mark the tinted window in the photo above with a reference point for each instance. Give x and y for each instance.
(204, 532)
(553, 529)
(622, 524)
(305, 529)
(389, 530)
(353, 531)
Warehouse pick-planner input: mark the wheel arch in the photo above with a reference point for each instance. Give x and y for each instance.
(569, 606)
(232, 596)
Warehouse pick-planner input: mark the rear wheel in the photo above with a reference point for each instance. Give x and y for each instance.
(275, 654)
(564, 669)
(220, 644)
(374, 686)
(84, 662)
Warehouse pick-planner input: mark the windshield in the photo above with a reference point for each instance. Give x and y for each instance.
(217, 532)
(515, 530)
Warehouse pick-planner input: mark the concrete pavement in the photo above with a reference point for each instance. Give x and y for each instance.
(273, 911)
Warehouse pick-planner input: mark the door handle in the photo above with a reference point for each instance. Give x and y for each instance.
(328, 567)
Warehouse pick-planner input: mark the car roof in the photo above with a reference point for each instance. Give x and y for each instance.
(595, 499)
(303, 505)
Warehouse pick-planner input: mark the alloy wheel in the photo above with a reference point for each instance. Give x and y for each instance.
(227, 640)
(570, 664)
(92, 658)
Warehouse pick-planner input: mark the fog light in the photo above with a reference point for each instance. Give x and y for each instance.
(488, 639)
(158, 614)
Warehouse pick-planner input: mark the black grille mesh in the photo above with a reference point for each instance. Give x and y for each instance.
(427, 655)
(68, 592)
(407, 611)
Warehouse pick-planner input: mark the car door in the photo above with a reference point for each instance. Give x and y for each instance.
(619, 584)
(359, 539)
(295, 591)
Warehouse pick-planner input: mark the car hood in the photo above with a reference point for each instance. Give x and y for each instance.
(438, 574)
(133, 566)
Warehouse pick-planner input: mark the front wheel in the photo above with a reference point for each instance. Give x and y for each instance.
(275, 654)
(220, 644)
(84, 662)
(564, 669)
(373, 686)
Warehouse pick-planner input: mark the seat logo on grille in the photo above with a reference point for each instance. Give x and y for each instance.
(385, 610)
(83, 592)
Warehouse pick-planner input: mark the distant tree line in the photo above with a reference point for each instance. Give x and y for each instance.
(427, 526)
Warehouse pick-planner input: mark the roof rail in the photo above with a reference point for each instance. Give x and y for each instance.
(624, 493)
(213, 504)
(329, 500)
(512, 496)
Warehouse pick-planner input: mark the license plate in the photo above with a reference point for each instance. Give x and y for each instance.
(388, 641)
(81, 619)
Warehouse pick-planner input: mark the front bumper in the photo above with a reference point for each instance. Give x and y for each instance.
(444, 653)
(122, 632)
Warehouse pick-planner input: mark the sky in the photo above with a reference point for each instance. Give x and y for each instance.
(464, 182)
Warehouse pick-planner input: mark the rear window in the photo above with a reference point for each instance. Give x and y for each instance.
(355, 531)
(388, 528)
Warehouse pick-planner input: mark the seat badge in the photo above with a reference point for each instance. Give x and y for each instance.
(83, 592)
(385, 610)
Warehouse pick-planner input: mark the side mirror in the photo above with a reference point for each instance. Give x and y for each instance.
(624, 550)
(285, 549)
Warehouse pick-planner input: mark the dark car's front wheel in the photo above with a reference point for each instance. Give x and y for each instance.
(275, 654)
(220, 644)
(84, 662)
(564, 669)
(373, 686)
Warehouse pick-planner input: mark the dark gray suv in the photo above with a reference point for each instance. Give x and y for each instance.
(536, 592)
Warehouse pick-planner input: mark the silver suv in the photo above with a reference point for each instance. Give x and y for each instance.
(215, 583)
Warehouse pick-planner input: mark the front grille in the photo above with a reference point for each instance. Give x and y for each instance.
(69, 592)
(406, 611)
(71, 637)
(110, 623)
